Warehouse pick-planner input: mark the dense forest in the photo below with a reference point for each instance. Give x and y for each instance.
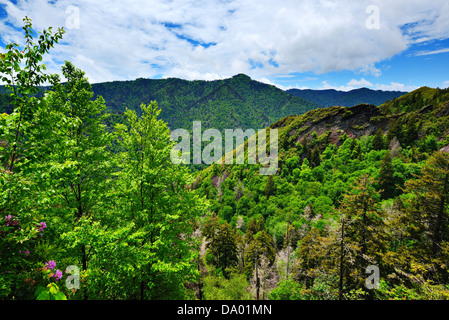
(356, 187)
(332, 97)
(237, 102)
(92, 207)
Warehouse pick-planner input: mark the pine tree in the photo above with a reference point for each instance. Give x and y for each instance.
(260, 249)
(386, 177)
(270, 187)
(311, 252)
(315, 157)
(222, 244)
(362, 241)
(426, 224)
(378, 140)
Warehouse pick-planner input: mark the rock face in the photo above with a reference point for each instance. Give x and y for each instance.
(365, 119)
(445, 149)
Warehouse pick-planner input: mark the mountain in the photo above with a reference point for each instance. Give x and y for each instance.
(331, 97)
(326, 149)
(406, 122)
(415, 100)
(237, 102)
(346, 177)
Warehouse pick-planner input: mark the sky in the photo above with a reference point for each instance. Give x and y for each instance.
(315, 44)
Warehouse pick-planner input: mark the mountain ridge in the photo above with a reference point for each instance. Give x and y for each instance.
(248, 103)
(332, 97)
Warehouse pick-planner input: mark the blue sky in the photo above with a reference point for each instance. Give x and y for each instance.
(317, 44)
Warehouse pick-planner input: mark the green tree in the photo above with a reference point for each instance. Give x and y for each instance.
(378, 140)
(315, 159)
(270, 187)
(72, 161)
(424, 248)
(234, 288)
(386, 177)
(155, 200)
(362, 241)
(261, 247)
(222, 244)
(22, 70)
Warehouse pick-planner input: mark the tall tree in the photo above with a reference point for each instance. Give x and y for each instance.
(222, 243)
(72, 161)
(315, 159)
(156, 200)
(426, 221)
(378, 140)
(22, 70)
(362, 241)
(270, 187)
(386, 177)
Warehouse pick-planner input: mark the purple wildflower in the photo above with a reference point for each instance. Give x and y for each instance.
(42, 226)
(51, 264)
(8, 219)
(58, 274)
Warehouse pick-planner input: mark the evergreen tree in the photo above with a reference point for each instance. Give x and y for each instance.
(426, 225)
(386, 177)
(315, 157)
(222, 244)
(378, 140)
(311, 252)
(362, 240)
(260, 250)
(270, 187)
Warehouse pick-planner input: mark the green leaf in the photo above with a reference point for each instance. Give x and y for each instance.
(39, 290)
(60, 296)
(53, 288)
(44, 295)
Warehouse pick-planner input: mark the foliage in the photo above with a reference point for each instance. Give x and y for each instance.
(84, 187)
(348, 203)
(108, 200)
(330, 97)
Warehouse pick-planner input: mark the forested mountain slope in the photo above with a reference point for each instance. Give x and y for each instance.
(356, 187)
(357, 208)
(238, 102)
(331, 97)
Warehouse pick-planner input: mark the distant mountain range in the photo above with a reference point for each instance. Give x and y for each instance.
(237, 102)
(331, 97)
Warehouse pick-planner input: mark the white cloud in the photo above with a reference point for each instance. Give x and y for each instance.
(360, 83)
(218, 38)
(356, 84)
(426, 53)
(351, 85)
(445, 84)
(395, 86)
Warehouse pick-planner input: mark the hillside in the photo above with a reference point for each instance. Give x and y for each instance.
(331, 97)
(373, 167)
(237, 102)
